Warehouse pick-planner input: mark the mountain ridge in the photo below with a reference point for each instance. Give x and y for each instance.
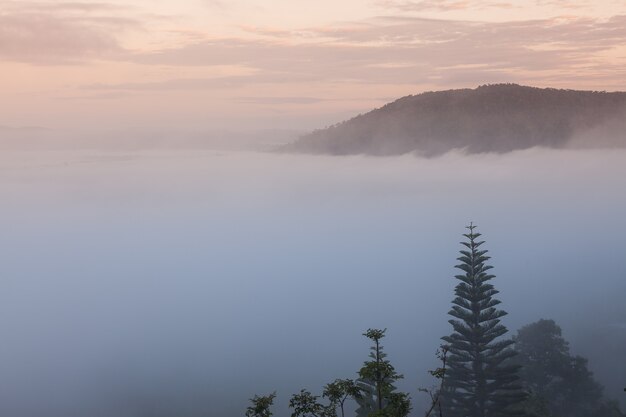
(490, 118)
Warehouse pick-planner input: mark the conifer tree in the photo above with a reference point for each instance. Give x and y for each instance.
(480, 381)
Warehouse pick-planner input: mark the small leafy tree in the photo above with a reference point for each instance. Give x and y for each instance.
(399, 405)
(377, 378)
(339, 391)
(440, 374)
(305, 404)
(560, 384)
(261, 406)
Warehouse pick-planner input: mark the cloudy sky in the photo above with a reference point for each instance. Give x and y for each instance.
(207, 64)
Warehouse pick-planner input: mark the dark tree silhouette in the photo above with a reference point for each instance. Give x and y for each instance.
(479, 381)
(560, 384)
(261, 406)
(439, 373)
(339, 391)
(377, 377)
(305, 404)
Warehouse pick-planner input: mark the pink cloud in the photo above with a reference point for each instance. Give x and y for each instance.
(564, 4)
(440, 5)
(401, 50)
(62, 6)
(39, 39)
(61, 33)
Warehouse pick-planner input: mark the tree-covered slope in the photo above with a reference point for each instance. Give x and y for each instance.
(491, 118)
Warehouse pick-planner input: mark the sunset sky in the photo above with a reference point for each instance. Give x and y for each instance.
(249, 64)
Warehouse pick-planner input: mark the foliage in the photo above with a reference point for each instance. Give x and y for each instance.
(480, 382)
(339, 391)
(261, 406)
(399, 404)
(561, 384)
(367, 401)
(376, 380)
(305, 404)
(440, 374)
(533, 374)
(490, 118)
(608, 409)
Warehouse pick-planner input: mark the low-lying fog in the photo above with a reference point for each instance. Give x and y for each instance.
(180, 284)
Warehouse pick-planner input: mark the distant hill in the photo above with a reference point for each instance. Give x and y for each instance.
(491, 118)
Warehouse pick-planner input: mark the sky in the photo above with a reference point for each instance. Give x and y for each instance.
(285, 64)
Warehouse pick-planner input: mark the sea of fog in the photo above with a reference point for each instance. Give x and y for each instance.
(179, 283)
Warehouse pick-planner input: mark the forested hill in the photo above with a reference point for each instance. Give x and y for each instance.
(490, 118)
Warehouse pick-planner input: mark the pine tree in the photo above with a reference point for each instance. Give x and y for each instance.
(480, 381)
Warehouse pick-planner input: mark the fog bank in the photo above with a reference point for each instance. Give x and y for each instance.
(154, 283)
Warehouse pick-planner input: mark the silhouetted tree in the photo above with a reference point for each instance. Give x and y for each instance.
(398, 405)
(261, 406)
(609, 408)
(305, 404)
(560, 384)
(377, 377)
(480, 382)
(339, 391)
(440, 374)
